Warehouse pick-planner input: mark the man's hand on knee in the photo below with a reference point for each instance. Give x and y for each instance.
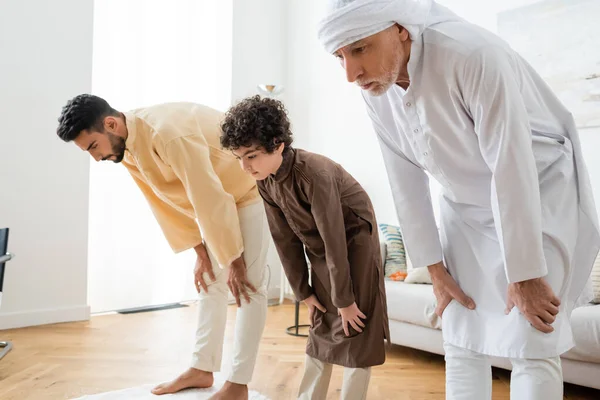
(536, 301)
(445, 289)
(238, 281)
(203, 265)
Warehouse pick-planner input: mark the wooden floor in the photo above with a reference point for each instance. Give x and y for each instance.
(112, 352)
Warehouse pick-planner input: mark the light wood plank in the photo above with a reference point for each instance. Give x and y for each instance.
(112, 352)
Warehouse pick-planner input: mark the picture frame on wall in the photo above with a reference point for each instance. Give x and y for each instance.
(559, 39)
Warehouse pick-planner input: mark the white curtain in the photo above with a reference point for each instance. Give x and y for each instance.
(148, 52)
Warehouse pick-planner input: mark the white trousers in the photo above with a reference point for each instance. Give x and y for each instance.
(317, 375)
(469, 377)
(251, 317)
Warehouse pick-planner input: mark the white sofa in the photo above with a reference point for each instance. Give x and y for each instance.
(413, 323)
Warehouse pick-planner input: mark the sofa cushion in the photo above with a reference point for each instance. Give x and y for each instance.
(595, 278)
(415, 304)
(412, 303)
(585, 322)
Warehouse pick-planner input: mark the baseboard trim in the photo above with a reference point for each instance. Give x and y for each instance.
(24, 319)
(44, 317)
(158, 307)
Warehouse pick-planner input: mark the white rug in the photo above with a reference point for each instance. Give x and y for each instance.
(143, 393)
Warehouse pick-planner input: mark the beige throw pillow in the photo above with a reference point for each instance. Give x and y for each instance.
(416, 275)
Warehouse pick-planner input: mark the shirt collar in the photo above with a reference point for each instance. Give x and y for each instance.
(130, 122)
(414, 62)
(289, 155)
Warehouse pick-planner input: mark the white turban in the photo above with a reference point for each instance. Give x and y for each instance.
(348, 21)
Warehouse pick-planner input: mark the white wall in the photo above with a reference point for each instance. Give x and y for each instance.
(259, 40)
(483, 12)
(328, 113)
(46, 58)
(259, 43)
(187, 57)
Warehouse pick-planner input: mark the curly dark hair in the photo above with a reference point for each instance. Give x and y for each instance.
(256, 121)
(83, 112)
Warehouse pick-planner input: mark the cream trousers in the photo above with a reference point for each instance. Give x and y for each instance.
(250, 319)
(317, 375)
(469, 377)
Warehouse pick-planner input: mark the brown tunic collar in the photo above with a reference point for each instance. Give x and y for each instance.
(289, 155)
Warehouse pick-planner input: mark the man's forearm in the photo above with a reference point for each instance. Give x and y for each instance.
(436, 268)
(201, 250)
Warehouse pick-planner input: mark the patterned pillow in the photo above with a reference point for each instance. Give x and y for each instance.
(596, 280)
(395, 259)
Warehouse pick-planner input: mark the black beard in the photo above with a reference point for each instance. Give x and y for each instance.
(118, 147)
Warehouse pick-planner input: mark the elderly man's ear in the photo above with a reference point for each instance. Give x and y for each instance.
(402, 32)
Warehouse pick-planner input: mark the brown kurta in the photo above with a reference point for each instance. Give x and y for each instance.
(313, 204)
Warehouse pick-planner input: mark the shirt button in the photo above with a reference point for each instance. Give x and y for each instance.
(426, 154)
(416, 131)
(408, 104)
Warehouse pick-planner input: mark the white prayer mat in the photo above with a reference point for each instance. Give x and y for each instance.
(143, 393)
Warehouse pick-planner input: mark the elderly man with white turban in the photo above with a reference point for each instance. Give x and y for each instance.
(519, 231)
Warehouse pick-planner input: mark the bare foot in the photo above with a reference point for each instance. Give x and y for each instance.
(192, 378)
(231, 391)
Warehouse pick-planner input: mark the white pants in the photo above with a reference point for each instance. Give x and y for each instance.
(317, 375)
(469, 377)
(251, 317)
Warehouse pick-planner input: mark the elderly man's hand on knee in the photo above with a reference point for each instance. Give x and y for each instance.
(445, 289)
(536, 301)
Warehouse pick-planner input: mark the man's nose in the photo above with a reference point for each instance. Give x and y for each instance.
(353, 70)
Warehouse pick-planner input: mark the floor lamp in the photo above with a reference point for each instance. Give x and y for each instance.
(272, 90)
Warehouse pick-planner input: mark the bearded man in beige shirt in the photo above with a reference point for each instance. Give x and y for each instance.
(201, 199)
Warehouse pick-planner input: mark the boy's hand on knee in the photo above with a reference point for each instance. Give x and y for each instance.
(238, 281)
(352, 315)
(312, 302)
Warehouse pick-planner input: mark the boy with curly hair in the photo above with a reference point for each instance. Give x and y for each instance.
(317, 209)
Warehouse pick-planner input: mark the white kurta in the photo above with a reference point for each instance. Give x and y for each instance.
(516, 201)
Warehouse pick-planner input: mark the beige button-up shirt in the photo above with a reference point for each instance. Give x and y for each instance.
(193, 186)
